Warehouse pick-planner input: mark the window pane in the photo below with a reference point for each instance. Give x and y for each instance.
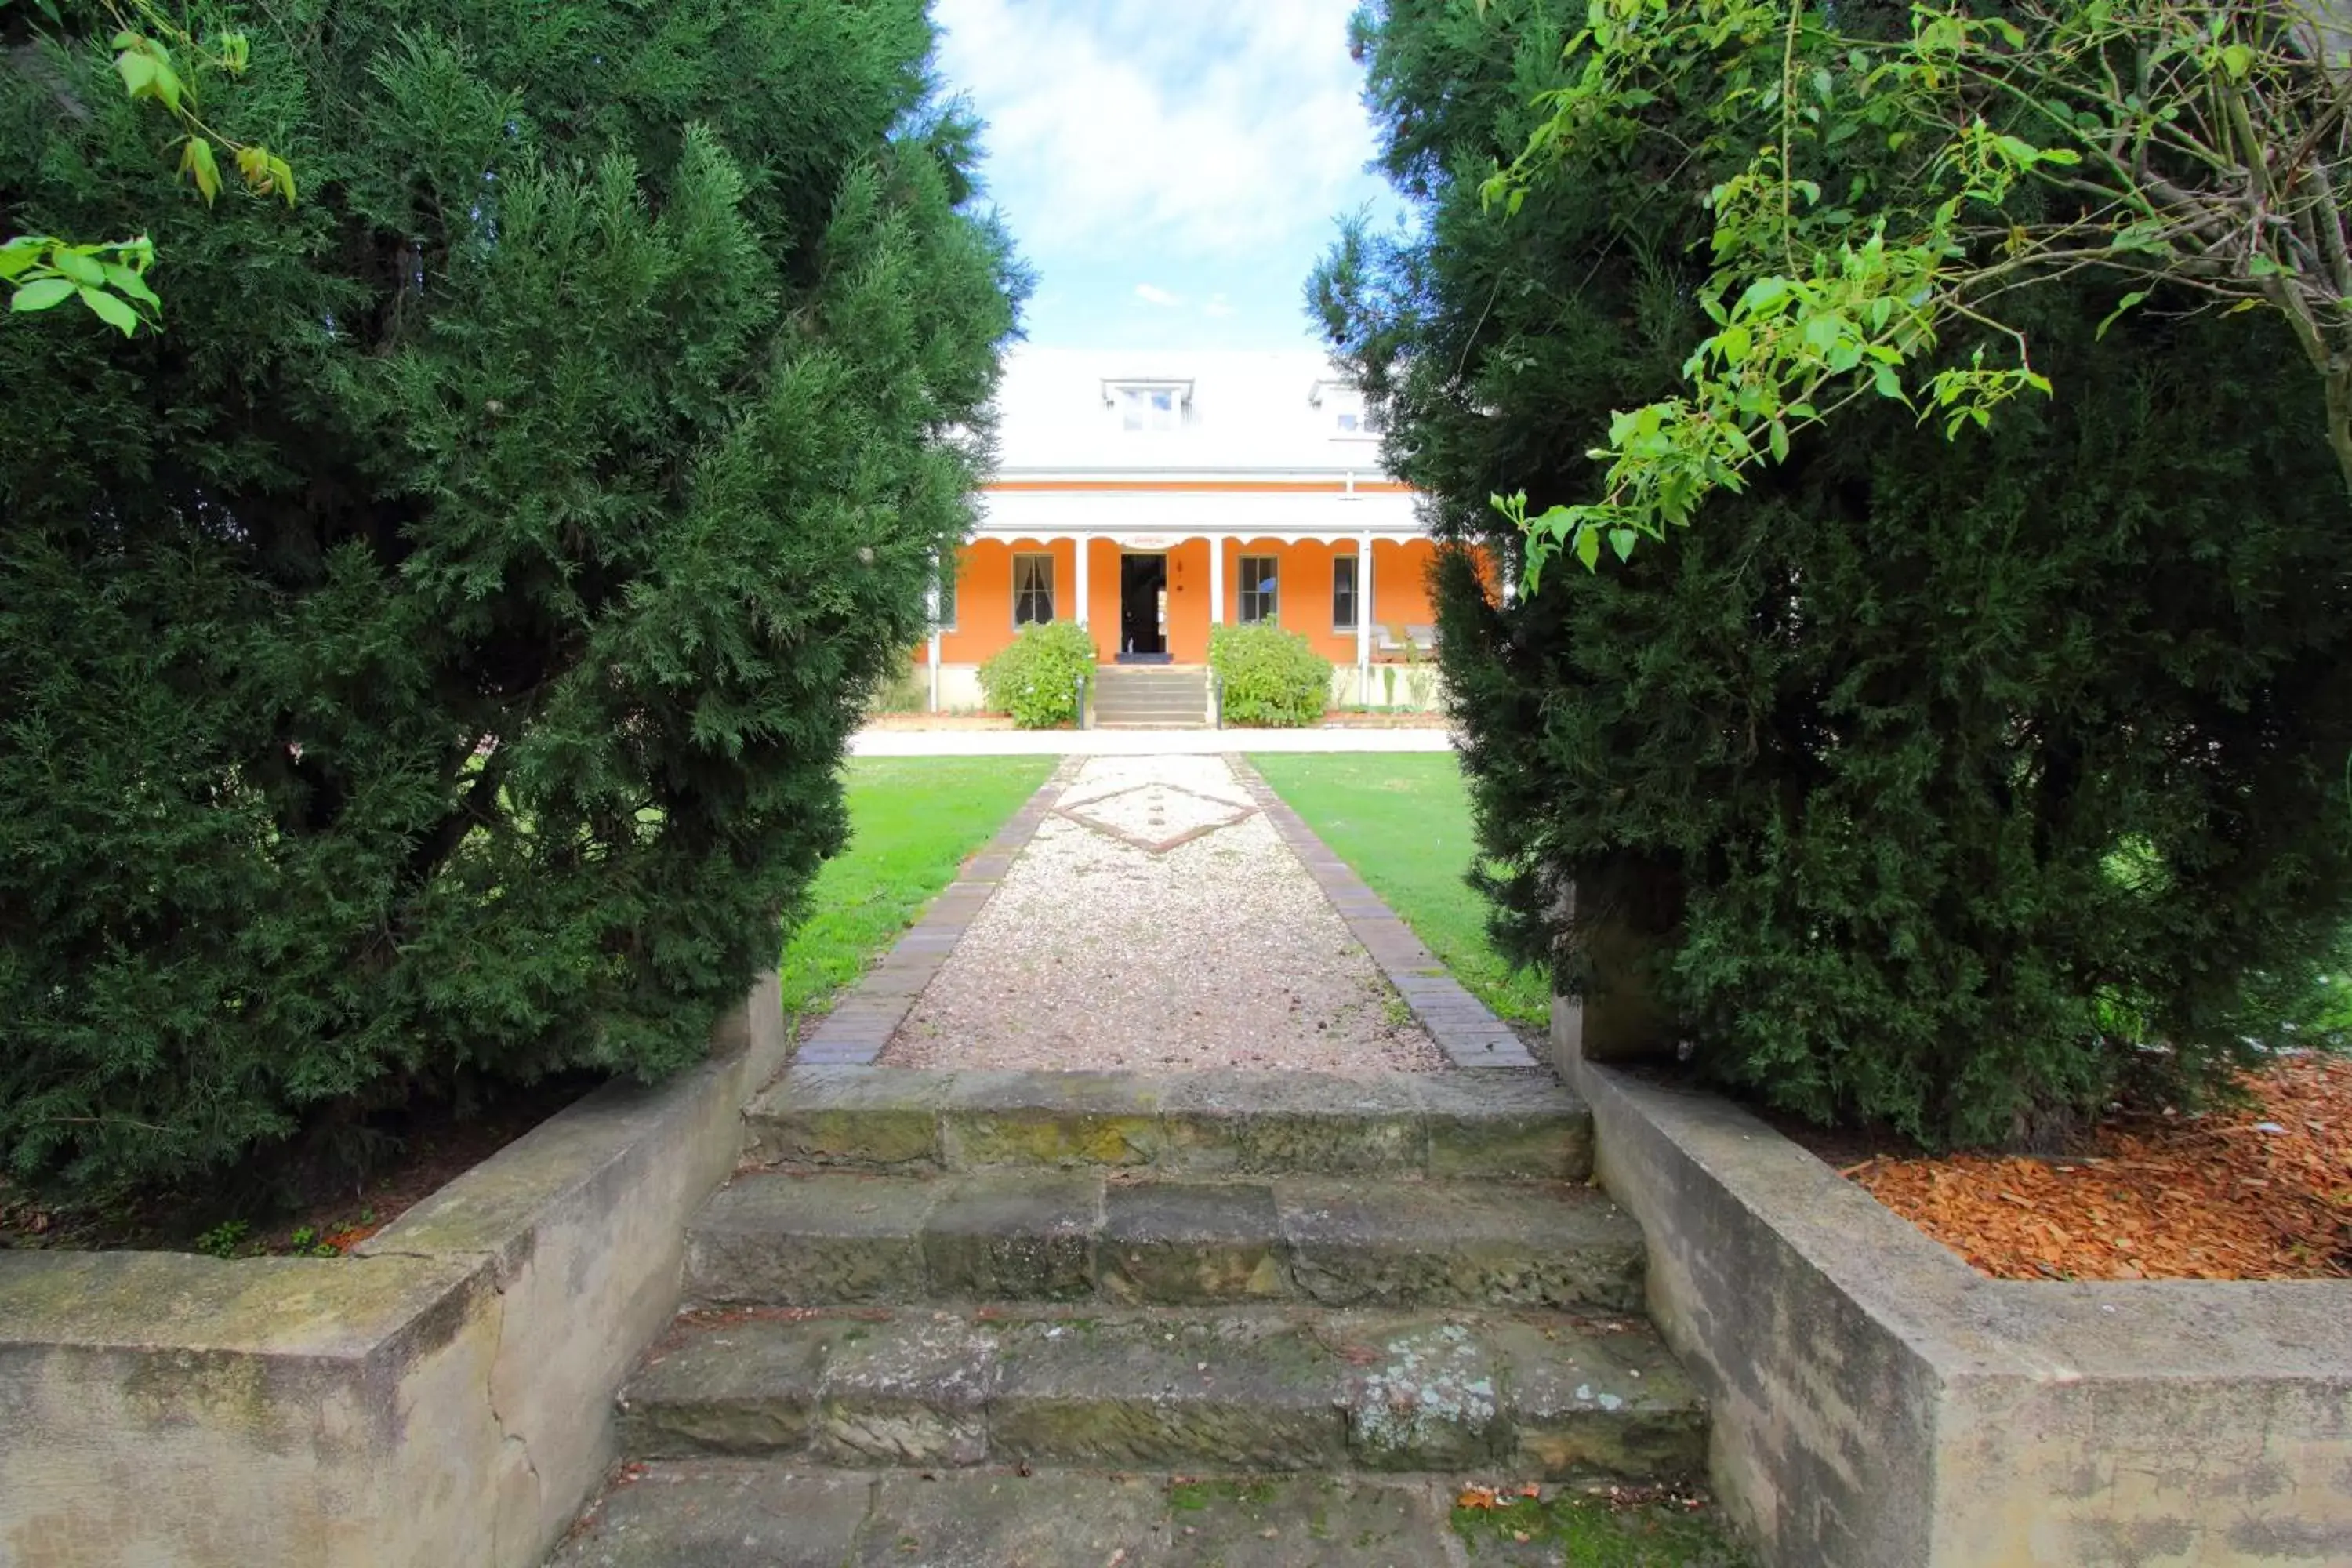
(1257, 582)
(946, 617)
(1148, 408)
(1033, 590)
(1343, 593)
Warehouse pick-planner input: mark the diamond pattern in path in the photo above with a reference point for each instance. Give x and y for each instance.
(1158, 923)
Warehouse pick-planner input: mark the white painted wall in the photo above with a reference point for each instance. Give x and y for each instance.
(1415, 687)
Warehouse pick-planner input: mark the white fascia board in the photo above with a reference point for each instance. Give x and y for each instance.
(1367, 471)
(1176, 514)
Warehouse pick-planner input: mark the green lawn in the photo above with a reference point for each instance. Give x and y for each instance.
(1402, 821)
(913, 820)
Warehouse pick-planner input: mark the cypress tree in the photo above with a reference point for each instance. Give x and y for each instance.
(427, 661)
(1966, 783)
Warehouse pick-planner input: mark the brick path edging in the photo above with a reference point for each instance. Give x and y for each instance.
(870, 1010)
(855, 1032)
(1462, 1026)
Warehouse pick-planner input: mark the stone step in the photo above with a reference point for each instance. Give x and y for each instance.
(829, 1238)
(1532, 1396)
(1485, 1123)
(728, 1514)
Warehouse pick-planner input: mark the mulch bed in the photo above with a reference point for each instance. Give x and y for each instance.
(2260, 1193)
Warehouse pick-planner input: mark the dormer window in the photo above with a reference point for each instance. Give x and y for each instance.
(1146, 408)
(1149, 404)
(1343, 405)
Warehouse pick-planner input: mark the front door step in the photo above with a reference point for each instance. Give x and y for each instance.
(1129, 696)
(1507, 1124)
(829, 1237)
(1534, 1395)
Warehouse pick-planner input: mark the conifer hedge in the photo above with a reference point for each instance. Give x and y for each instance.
(1965, 784)
(427, 661)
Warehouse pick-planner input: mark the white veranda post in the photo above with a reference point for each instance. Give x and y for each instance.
(1364, 620)
(1216, 580)
(1079, 613)
(938, 564)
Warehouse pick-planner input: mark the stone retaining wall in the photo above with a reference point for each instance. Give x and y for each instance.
(1878, 1403)
(443, 1397)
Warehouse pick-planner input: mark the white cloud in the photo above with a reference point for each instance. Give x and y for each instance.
(1200, 130)
(1217, 305)
(1152, 294)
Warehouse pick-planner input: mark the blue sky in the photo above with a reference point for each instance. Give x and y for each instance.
(1170, 169)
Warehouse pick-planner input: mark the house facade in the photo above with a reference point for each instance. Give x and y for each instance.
(1149, 496)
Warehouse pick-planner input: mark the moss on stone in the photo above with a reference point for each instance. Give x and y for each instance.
(1571, 1532)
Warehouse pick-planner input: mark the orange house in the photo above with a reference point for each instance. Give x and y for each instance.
(1149, 501)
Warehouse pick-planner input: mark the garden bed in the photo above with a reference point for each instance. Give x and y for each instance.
(924, 722)
(1876, 1401)
(2263, 1192)
(436, 1146)
(1356, 719)
(443, 1395)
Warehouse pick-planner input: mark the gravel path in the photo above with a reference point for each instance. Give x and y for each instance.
(1170, 930)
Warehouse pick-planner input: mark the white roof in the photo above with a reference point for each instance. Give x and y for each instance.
(1064, 411)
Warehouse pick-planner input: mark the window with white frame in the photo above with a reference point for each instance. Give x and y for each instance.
(1148, 408)
(1257, 590)
(1033, 590)
(1343, 593)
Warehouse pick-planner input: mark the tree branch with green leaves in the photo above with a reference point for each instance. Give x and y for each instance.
(161, 61)
(2196, 148)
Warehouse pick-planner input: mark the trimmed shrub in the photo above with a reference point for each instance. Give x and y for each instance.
(427, 662)
(1962, 784)
(1034, 677)
(1273, 678)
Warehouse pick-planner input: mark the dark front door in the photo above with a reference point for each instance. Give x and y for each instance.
(1142, 592)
